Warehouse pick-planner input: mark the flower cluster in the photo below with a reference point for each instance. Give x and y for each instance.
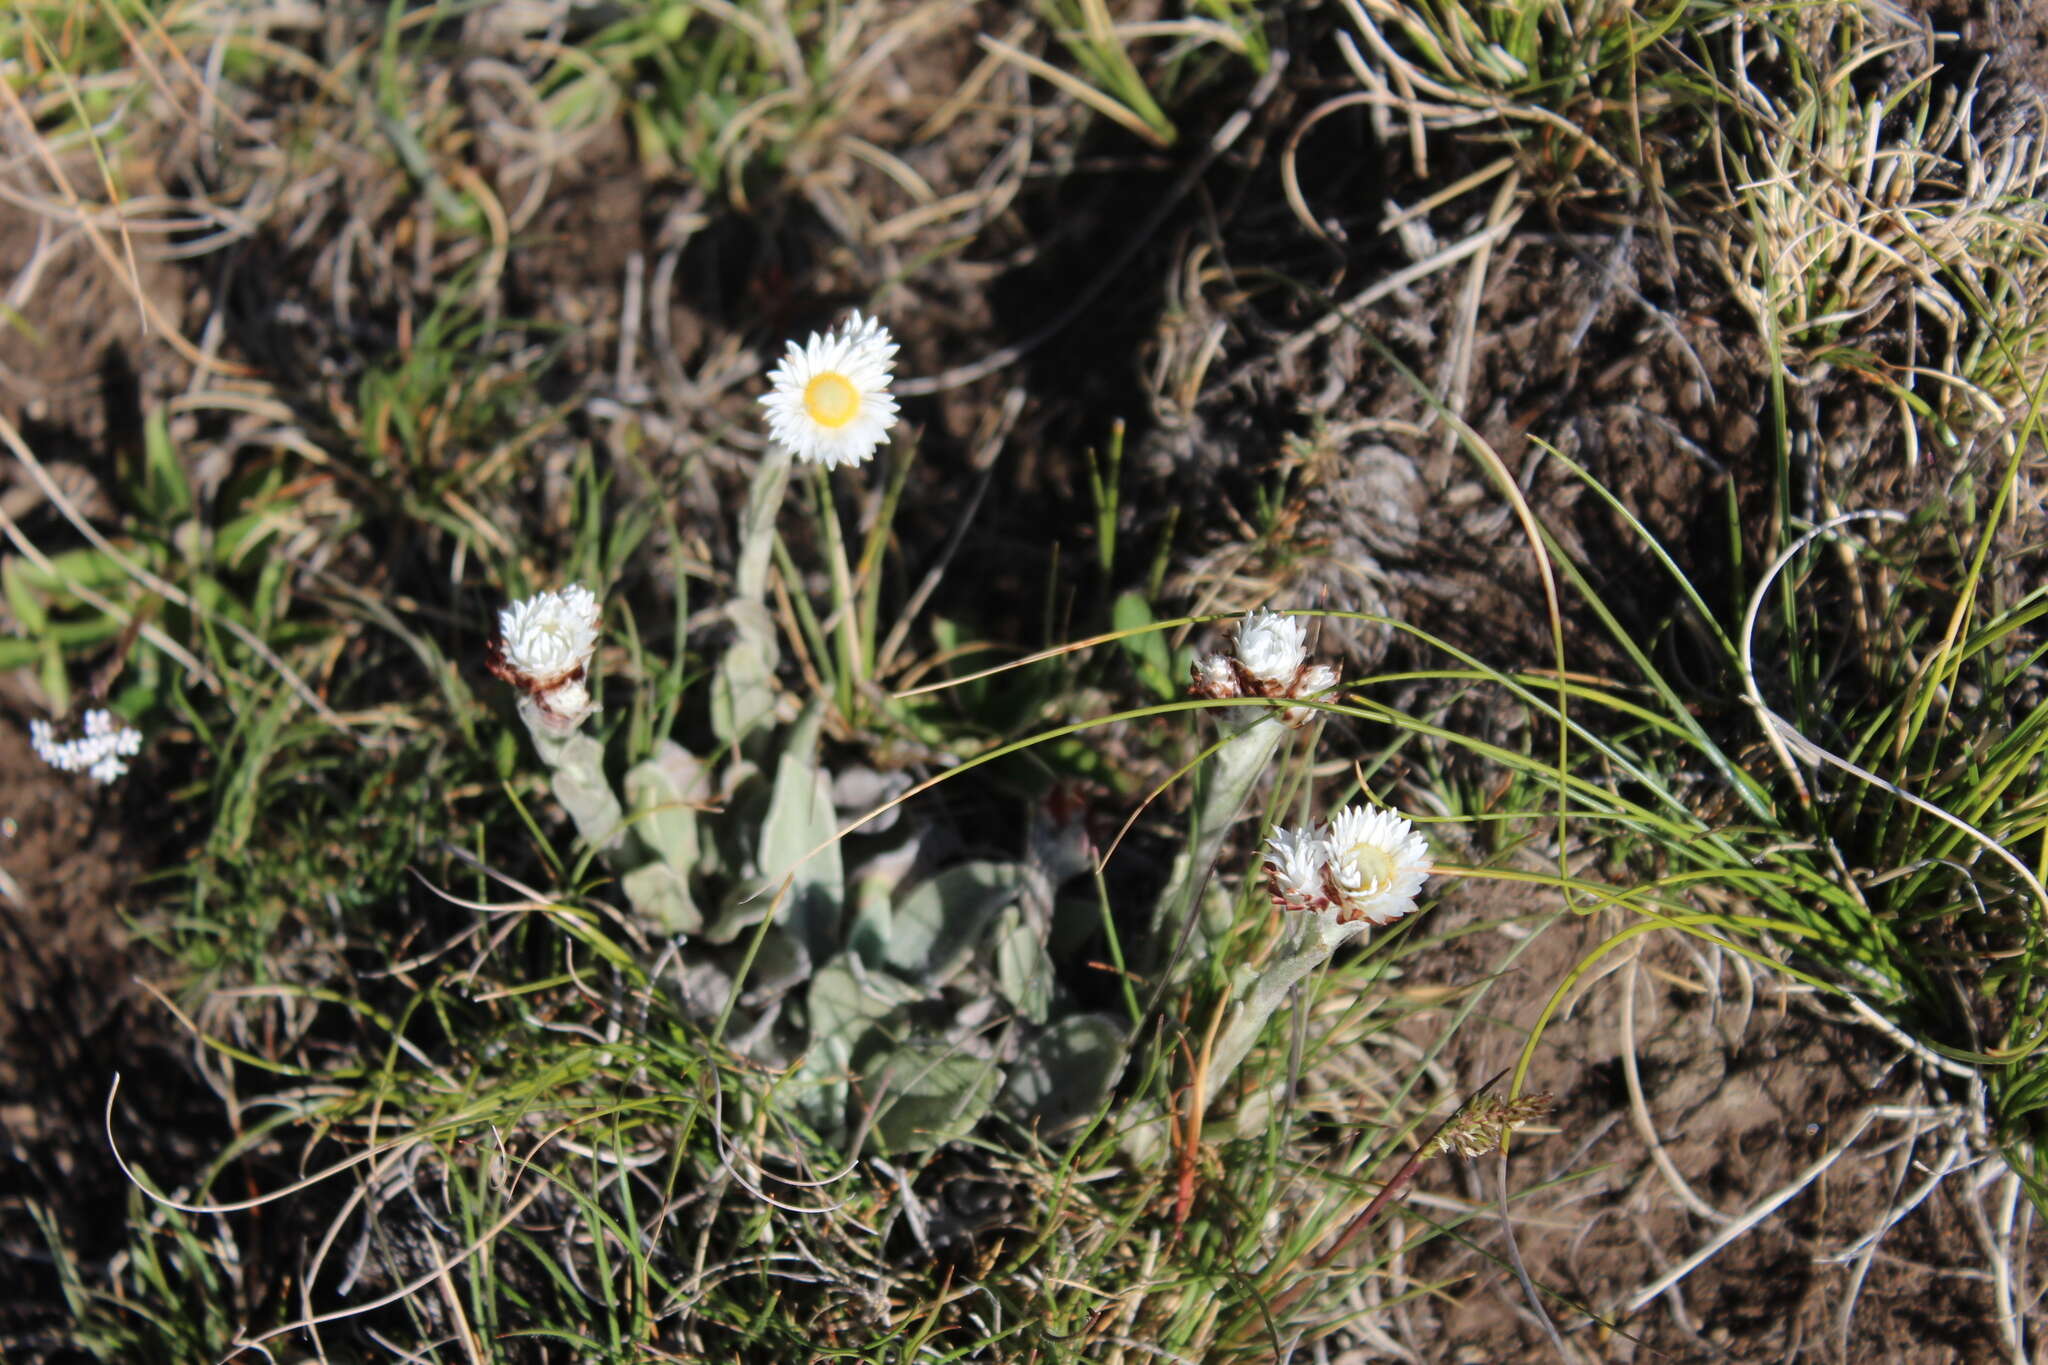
(1485, 1122)
(829, 400)
(543, 648)
(1271, 661)
(101, 751)
(1365, 867)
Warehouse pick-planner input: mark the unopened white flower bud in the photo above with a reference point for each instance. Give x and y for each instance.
(1311, 681)
(1272, 648)
(549, 636)
(1215, 677)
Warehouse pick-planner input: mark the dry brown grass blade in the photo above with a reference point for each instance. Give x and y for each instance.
(127, 273)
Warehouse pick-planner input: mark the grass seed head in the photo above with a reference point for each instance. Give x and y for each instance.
(1482, 1125)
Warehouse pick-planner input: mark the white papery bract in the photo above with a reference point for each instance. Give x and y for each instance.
(550, 637)
(829, 399)
(1272, 647)
(100, 752)
(1312, 680)
(1377, 864)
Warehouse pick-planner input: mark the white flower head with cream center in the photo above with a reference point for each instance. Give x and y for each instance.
(1272, 647)
(550, 637)
(829, 400)
(101, 752)
(1377, 864)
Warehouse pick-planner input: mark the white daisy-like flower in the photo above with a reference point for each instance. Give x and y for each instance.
(829, 402)
(1377, 864)
(1272, 647)
(550, 637)
(1297, 868)
(101, 752)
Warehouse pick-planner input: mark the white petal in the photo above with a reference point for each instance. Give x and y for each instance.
(550, 635)
(1272, 646)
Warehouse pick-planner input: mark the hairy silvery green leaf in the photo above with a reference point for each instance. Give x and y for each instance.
(743, 687)
(660, 895)
(1023, 971)
(872, 902)
(663, 793)
(927, 1093)
(746, 905)
(873, 919)
(1065, 1073)
(850, 1009)
(856, 791)
(779, 970)
(702, 983)
(1224, 786)
(801, 819)
(845, 998)
(936, 927)
(579, 780)
(757, 524)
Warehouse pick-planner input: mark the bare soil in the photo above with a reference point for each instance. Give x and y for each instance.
(71, 1021)
(1744, 1088)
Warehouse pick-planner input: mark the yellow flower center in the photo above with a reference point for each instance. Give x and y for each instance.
(1375, 867)
(831, 400)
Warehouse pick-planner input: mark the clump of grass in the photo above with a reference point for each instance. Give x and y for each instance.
(1884, 232)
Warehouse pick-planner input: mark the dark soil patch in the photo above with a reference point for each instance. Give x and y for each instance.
(72, 1019)
(2011, 36)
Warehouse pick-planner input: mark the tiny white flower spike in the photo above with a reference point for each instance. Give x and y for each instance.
(1297, 869)
(829, 401)
(549, 638)
(101, 752)
(1377, 865)
(1272, 647)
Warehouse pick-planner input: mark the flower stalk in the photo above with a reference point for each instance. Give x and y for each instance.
(1270, 660)
(543, 648)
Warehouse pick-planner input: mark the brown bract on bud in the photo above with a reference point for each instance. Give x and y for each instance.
(1220, 678)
